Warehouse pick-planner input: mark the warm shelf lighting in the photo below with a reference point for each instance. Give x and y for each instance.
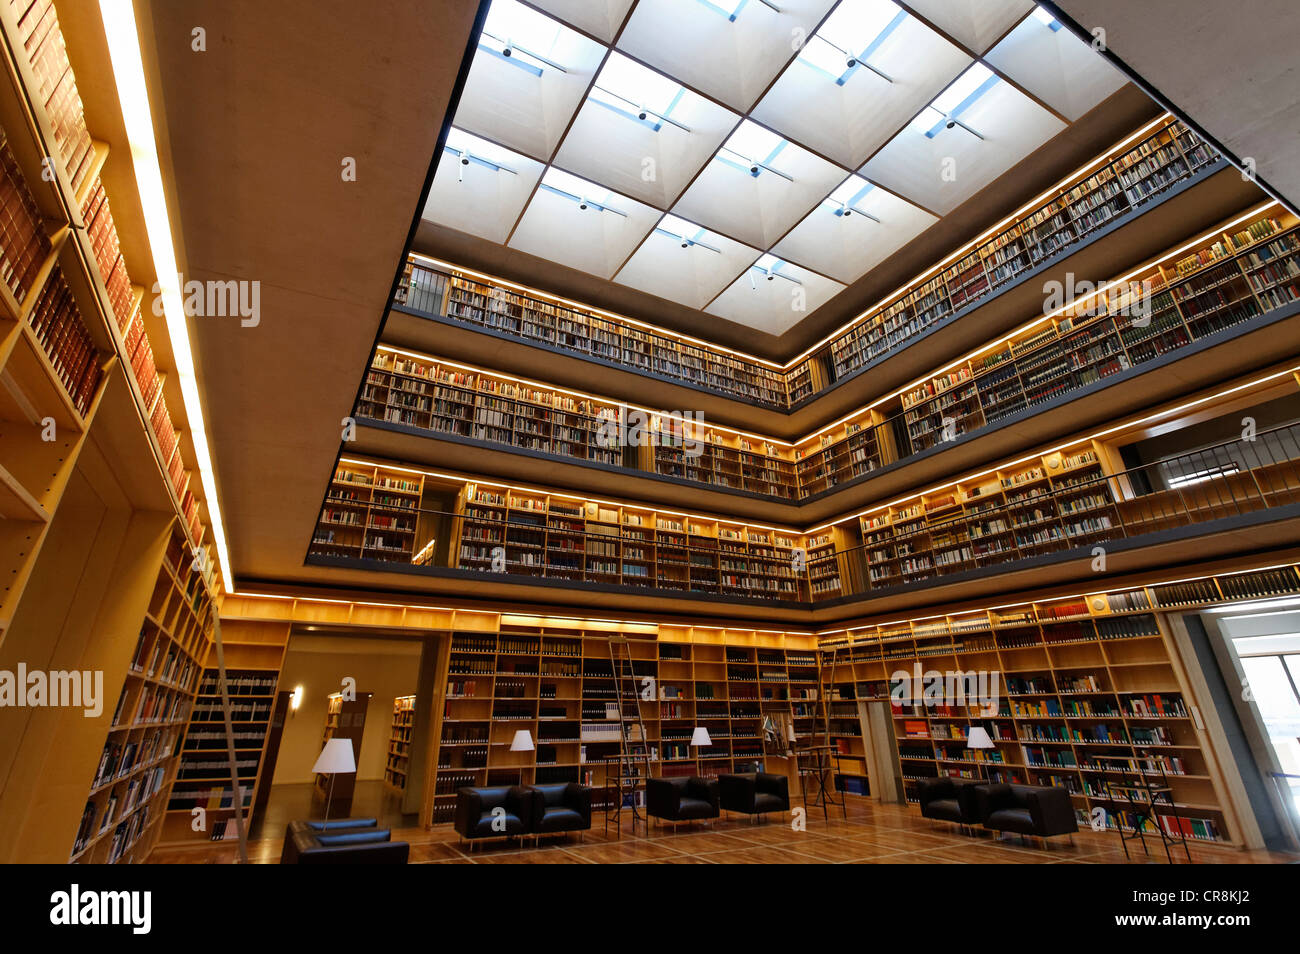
(133, 95)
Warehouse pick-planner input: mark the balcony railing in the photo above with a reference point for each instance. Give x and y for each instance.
(1029, 526)
(1236, 280)
(1139, 177)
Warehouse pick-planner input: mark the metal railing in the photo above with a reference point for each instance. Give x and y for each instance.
(1073, 515)
(1122, 184)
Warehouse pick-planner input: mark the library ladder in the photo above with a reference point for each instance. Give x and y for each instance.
(633, 766)
(1144, 785)
(818, 761)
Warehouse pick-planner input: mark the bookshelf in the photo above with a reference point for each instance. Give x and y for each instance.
(369, 513)
(254, 655)
(556, 681)
(1250, 270)
(431, 290)
(1086, 679)
(127, 795)
(561, 537)
(1124, 181)
(398, 763)
(70, 316)
(1032, 508)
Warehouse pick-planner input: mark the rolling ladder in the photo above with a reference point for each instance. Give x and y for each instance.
(626, 773)
(818, 761)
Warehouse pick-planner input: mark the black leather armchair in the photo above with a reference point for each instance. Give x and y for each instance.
(348, 841)
(754, 793)
(682, 799)
(559, 808)
(1026, 810)
(474, 811)
(951, 800)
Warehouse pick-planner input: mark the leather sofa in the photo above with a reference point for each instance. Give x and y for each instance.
(1026, 810)
(754, 793)
(687, 798)
(476, 815)
(950, 800)
(562, 807)
(344, 841)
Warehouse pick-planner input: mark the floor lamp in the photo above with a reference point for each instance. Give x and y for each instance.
(336, 757)
(700, 739)
(978, 738)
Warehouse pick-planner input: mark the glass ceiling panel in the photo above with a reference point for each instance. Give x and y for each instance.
(626, 86)
(559, 181)
(522, 34)
(850, 35)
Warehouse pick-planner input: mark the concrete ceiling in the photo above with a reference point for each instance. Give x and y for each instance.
(254, 132)
(1232, 67)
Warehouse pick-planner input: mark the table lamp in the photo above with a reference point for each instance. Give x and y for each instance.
(522, 742)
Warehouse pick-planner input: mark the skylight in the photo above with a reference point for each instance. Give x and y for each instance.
(753, 149)
(1046, 19)
(522, 35)
(485, 153)
(688, 233)
(961, 94)
(850, 35)
(633, 90)
(727, 8)
(586, 194)
(843, 201)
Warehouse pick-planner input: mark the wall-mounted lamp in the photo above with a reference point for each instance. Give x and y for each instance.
(295, 700)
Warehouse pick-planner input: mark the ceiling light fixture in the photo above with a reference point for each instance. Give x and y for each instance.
(850, 60)
(643, 112)
(754, 166)
(509, 49)
(133, 96)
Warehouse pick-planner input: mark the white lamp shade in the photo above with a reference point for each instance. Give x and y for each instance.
(335, 757)
(522, 742)
(789, 733)
(978, 738)
(700, 736)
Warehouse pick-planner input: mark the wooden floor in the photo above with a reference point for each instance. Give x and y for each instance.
(872, 834)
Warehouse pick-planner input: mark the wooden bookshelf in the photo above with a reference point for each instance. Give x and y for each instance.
(1127, 179)
(369, 513)
(1168, 155)
(1247, 271)
(1251, 270)
(556, 681)
(398, 764)
(68, 309)
(254, 656)
(126, 800)
(502, 308)
(1082, 677)
(1027, 509)
(566, 538)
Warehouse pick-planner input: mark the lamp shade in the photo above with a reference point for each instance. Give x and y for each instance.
(789, 733)
(700, 736)
(522, 742)
(335, 757)
(978, 738)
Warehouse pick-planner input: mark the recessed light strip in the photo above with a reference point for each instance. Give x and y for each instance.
(133, 95)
